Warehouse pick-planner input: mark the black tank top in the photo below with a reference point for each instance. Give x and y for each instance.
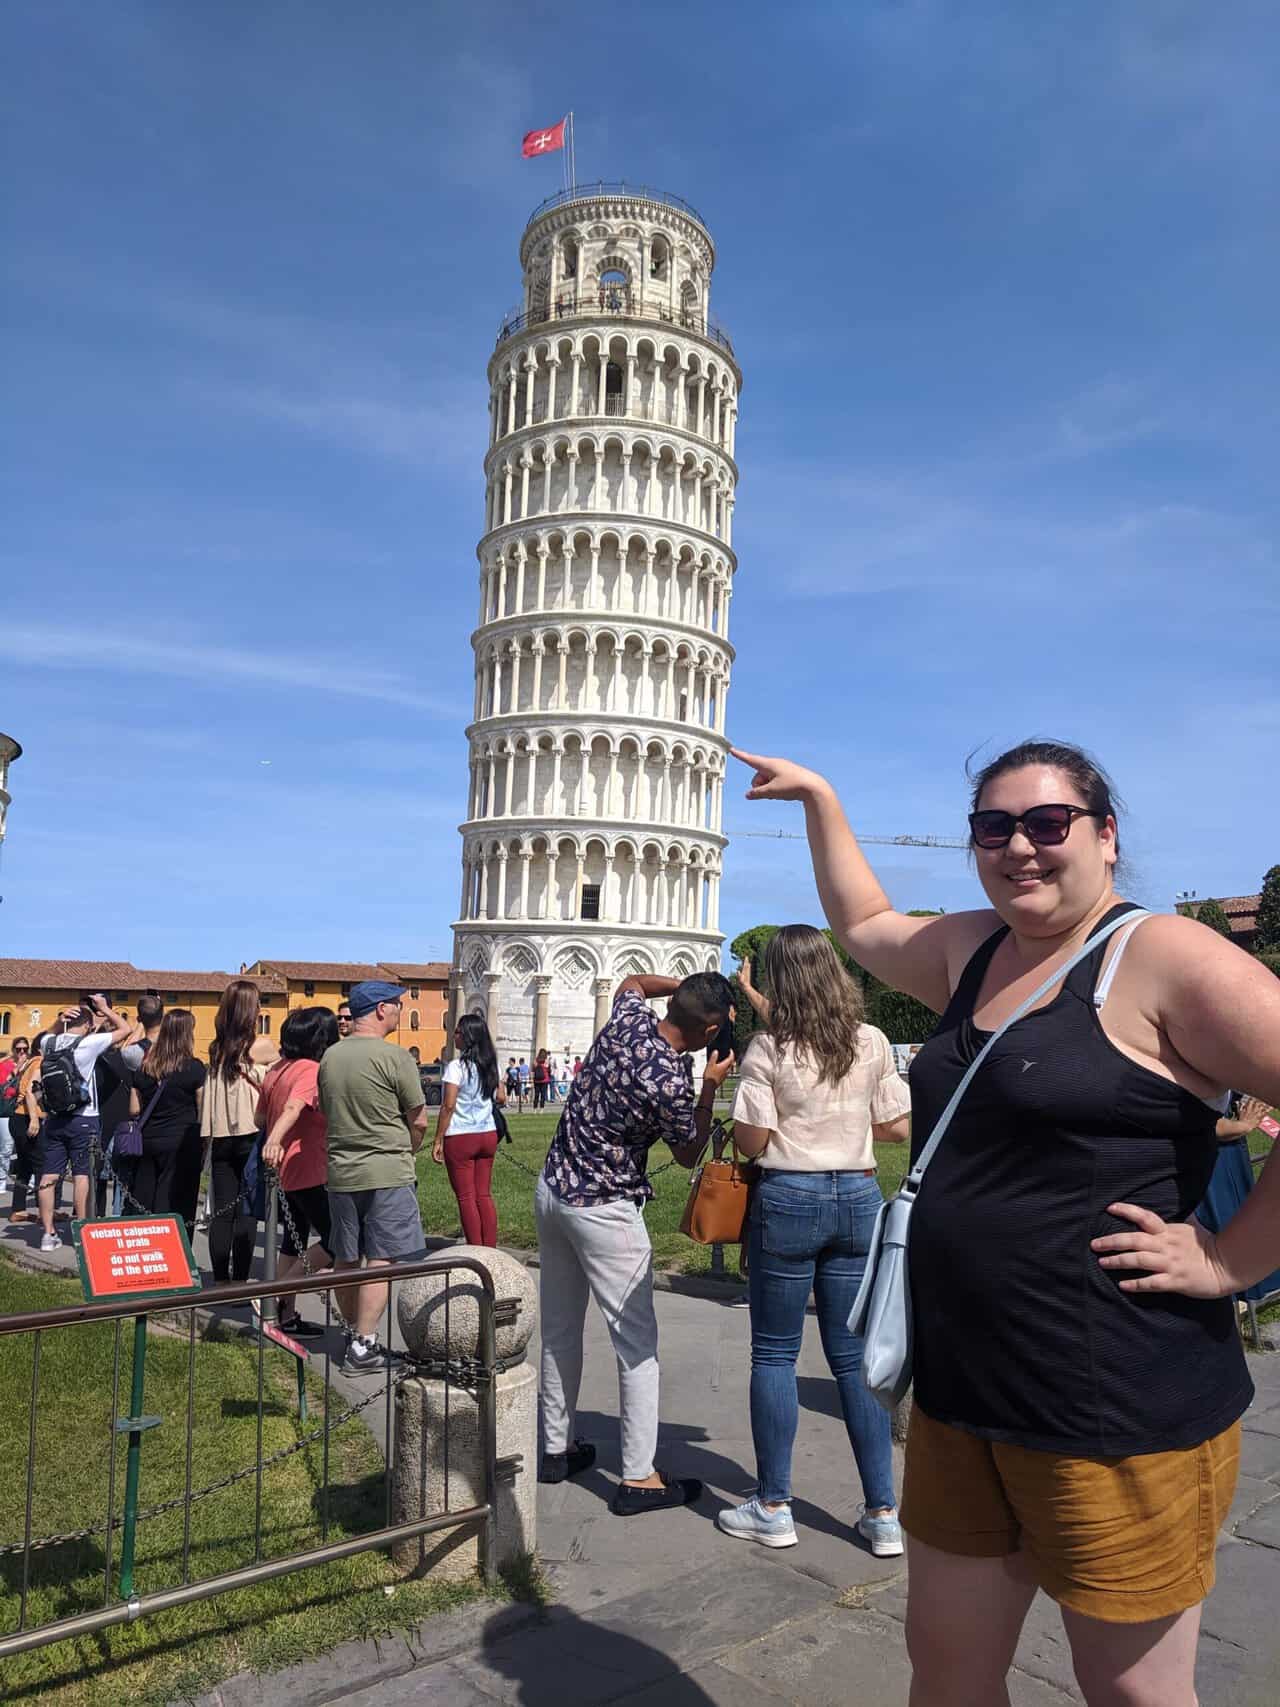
(1019, 1334)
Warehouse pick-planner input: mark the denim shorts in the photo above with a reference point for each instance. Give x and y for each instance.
(382, 1223)
(68, 1137)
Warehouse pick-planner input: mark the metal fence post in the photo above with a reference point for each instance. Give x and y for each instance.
(488, 1396)
(135, 1422)
(270, 1242)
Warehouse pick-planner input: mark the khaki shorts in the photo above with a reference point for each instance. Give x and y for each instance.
(1124, 1540)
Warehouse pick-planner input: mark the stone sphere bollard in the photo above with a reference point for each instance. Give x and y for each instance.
(439, 1447)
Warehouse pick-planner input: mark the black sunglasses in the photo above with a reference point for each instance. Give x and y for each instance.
(1045, 826)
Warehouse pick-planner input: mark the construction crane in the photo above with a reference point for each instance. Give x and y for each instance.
(882, 841)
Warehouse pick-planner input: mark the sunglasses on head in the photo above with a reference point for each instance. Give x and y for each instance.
(1045, 826)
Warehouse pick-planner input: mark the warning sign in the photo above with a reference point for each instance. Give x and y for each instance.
(143, 1257)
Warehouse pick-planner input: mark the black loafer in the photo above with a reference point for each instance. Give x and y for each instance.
(630, 1502)
(559, 1466)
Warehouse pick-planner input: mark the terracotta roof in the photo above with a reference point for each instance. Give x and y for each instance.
(106, 975)
(67, 975)
(212, 981)
(322, 971)
(355, 972)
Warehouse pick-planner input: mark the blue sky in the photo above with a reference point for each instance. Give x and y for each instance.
(1001, 279)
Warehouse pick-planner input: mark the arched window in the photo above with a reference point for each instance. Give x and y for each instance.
(6, 1020)
(415, 1023)
(659, 259)
(264, 1025)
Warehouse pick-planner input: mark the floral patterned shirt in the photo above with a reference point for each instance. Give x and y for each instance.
(634, 1088)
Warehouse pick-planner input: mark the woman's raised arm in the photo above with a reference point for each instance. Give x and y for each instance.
(914, 955)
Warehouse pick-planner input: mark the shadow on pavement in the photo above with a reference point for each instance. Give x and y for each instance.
(681, 1453)
(566, 1661)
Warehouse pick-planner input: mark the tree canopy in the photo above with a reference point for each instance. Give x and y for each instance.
(1268, 926)
(901, 1017)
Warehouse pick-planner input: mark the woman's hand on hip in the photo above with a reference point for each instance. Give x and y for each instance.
(1176, 1256)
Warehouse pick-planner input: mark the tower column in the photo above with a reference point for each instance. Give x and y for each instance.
(541, 1011)
(492, 985)
(603, 991)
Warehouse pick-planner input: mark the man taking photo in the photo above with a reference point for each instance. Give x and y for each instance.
(373, 1106)
(635, 1088)
(69, 1087)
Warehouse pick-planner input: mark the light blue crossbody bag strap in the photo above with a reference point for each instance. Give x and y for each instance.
(881, 1313)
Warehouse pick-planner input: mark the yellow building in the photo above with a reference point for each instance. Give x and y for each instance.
(325, 983)
(34, 992)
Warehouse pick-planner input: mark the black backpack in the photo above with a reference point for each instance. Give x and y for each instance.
(62, 1085)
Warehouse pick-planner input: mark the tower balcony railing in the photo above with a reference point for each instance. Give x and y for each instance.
(602, 191)
(617, 302)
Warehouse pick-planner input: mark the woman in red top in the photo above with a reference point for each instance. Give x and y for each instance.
(289, 1114)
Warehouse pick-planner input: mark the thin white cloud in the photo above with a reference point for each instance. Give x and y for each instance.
(123, 653)
(379, 426)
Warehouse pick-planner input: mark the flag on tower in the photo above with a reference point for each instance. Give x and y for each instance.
(543, 141)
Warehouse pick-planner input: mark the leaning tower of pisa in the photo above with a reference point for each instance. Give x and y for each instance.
(592, 842)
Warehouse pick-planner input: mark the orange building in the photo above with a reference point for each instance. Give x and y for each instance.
(324, 983)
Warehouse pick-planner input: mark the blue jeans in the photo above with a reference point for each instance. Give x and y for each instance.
(811, 1231)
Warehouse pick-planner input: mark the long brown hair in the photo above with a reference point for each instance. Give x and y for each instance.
(234, 1029)
(813, 1002)
(174, 1047)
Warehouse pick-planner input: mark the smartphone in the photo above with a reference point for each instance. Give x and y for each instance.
(722, 1044)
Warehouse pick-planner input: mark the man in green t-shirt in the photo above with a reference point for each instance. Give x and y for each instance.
(373, 1106)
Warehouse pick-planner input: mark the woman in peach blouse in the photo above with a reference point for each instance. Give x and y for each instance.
(814, 1091)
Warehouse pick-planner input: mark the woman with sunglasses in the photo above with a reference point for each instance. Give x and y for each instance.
(1079, 1379)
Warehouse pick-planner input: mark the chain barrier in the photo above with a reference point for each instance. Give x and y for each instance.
(465, 1372)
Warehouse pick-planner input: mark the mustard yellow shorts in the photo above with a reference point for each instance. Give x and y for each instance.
(1124, 1540)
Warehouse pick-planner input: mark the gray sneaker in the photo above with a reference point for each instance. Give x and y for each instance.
(752, 1521)
(883, 1533)
(369, 1357)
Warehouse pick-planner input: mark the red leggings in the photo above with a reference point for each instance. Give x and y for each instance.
(469, 1161)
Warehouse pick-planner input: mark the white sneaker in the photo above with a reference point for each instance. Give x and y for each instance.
(50, 1242)
(752, 1521)
(883, 1533)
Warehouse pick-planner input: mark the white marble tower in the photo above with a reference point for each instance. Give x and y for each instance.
(592, 842)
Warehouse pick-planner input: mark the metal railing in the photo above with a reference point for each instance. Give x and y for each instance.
(634, 192)
(619, 306)
(120, 1605)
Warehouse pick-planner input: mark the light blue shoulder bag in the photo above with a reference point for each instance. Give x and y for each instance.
(881, 1312)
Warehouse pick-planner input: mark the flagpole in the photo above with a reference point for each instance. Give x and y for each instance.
(572, 161)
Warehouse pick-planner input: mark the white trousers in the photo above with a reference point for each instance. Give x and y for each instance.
(604, 1253)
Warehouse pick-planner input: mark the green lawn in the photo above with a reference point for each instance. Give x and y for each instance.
(513, 1193)
(188, 1649)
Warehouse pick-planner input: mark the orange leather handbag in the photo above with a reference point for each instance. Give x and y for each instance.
(719, 1196)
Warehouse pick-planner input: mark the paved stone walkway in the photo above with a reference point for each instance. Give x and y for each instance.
(667, 1612)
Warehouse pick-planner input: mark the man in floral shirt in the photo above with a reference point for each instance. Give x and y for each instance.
(635, 1088)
